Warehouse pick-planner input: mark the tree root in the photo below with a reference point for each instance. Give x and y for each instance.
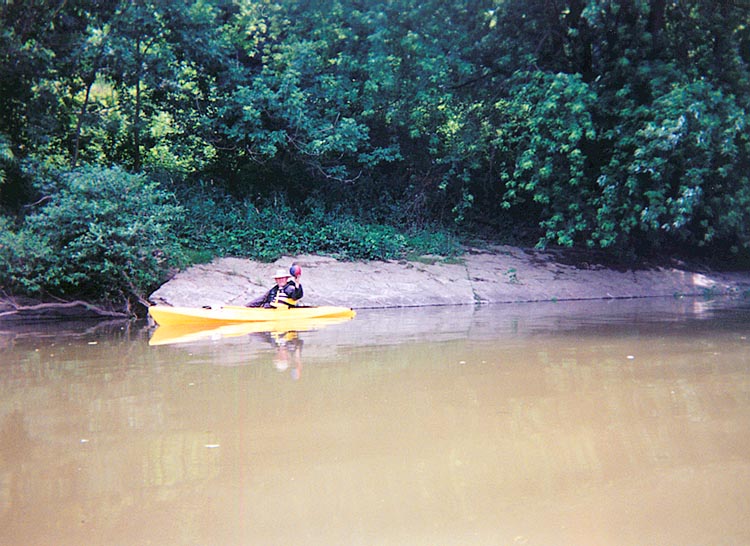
(10, 310)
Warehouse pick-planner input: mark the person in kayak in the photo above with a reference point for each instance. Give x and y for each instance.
(282, 293)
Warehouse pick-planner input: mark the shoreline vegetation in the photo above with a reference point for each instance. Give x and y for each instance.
(141, 140)
(478, 276)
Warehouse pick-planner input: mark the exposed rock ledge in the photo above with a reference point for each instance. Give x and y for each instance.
(497, 275)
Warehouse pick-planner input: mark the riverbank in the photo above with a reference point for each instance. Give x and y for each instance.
(498, 274)
(488, 275)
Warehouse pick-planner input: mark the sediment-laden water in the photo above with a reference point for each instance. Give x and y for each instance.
(601, 423)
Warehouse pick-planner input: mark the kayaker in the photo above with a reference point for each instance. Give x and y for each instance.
(280, 294)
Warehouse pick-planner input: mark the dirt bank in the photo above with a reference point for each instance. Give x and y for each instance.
(498, 274)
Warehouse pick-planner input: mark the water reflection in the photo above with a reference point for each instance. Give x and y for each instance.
(288, 347)
(581, 423)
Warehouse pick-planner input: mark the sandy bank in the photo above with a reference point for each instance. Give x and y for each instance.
(499, 274)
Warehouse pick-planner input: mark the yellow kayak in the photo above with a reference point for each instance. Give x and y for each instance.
(187, 333)
(164, 315)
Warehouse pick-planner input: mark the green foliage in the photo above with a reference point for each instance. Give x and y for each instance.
(6, 157)
(23, 259)
(104, 234)
(554, 126)
(618, 125)
(684, 178)
(614, 139)
(215, 223)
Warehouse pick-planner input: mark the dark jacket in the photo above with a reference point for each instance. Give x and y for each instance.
(293, 289)
(289, 291)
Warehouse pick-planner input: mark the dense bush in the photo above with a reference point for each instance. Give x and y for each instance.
(24, 257)
(103, 233)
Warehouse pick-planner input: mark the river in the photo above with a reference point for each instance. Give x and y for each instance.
(572, 423)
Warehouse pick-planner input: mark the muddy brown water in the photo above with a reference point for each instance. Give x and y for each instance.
(582, 423)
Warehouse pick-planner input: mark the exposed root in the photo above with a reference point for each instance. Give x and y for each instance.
(10, 310)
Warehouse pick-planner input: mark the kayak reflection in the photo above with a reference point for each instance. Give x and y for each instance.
(188, 333)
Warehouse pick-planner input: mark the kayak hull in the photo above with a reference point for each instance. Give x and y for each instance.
(164, 315)
(189, 333)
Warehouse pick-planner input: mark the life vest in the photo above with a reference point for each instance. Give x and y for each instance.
(280, 300)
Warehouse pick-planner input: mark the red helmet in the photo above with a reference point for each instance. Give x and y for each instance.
(295, 270)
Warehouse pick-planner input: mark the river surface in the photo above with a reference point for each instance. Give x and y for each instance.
(599, 423)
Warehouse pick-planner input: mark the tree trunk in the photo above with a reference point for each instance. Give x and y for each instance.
(583, 56)
(655, 26)
(79, 124)
(137, 110)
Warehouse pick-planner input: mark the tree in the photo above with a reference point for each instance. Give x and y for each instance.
(657, 140)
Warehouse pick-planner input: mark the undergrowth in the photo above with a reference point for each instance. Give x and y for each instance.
(216, 225)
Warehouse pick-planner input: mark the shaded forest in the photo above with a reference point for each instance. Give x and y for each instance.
(139, 136)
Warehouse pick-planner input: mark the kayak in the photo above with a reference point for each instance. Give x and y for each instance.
(188, 333)
(164, 315)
